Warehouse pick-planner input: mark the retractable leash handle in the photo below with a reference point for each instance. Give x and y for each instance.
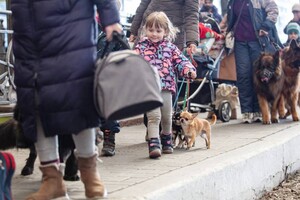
(116, 39)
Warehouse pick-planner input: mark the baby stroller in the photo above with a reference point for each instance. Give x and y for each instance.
(202, 91)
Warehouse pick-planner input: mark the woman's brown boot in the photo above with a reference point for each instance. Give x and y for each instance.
(52, 186)
(90, 177)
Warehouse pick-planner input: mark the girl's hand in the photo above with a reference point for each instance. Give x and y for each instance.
(192, 74)
(111, 28)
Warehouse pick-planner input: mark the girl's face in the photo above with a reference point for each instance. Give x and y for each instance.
(293, 36)
(155, 34)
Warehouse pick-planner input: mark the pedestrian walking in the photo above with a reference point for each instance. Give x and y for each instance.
(55, 52)
(109, 128)
(258, 18)
(157, 48)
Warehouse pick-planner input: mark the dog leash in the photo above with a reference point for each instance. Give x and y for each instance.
(178, 92)
(186, 94)
(189, 56)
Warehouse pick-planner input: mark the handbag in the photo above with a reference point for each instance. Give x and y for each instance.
(125, 85)
(7, 169)
(229, 40)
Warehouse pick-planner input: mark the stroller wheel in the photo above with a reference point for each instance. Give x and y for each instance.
(224, 111)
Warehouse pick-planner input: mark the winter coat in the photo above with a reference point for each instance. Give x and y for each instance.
(264, 15)
(182, 13)
(55, 51)
(168, 60)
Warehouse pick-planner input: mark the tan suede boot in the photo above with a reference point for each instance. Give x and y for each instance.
(52, 186)
(90, 177)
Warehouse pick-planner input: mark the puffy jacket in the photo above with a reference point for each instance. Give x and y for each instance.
(55, 51)
(264, 14)
(167, 59)
(182, 13)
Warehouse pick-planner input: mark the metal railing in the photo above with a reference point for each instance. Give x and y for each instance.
(7, 86)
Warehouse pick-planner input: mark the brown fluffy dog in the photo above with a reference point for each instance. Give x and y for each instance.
(290, 92)
(193, 126)
(268, 82)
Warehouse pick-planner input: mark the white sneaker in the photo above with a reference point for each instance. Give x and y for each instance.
(248, 117)
(257, 117)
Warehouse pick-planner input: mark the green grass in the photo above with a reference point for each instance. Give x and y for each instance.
(5, 116)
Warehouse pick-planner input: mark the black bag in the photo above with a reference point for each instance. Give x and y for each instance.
(125, 84)
(116, 46)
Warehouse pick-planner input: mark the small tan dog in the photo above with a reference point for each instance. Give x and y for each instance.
(193, 126)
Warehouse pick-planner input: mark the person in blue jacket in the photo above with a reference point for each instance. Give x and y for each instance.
(55, 52)
(253, 22)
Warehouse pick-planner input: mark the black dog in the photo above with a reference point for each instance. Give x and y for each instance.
(177, 129)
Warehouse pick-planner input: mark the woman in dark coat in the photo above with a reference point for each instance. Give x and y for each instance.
(55, 50)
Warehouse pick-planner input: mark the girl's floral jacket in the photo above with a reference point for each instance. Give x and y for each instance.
(168, 60)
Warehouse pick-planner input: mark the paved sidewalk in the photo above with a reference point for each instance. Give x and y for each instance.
(244, 160)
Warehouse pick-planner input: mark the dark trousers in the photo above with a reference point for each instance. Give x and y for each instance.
(245, 55)
(111, 125)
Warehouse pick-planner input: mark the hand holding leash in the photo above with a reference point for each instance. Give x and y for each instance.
(192, 74)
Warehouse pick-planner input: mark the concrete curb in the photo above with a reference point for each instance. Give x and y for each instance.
(261, 166)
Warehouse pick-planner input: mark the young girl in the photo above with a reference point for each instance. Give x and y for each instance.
(157, 49)
(293, 31)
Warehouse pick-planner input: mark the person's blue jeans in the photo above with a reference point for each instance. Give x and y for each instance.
(245, 55)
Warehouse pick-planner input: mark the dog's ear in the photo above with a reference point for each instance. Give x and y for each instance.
(257, 62)
(277, 63)
(195, 115)
(276, 58)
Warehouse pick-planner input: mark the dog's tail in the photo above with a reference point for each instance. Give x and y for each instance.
(213, 119)
(8, 134)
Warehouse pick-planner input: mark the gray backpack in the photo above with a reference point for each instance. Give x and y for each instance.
(125, 85)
